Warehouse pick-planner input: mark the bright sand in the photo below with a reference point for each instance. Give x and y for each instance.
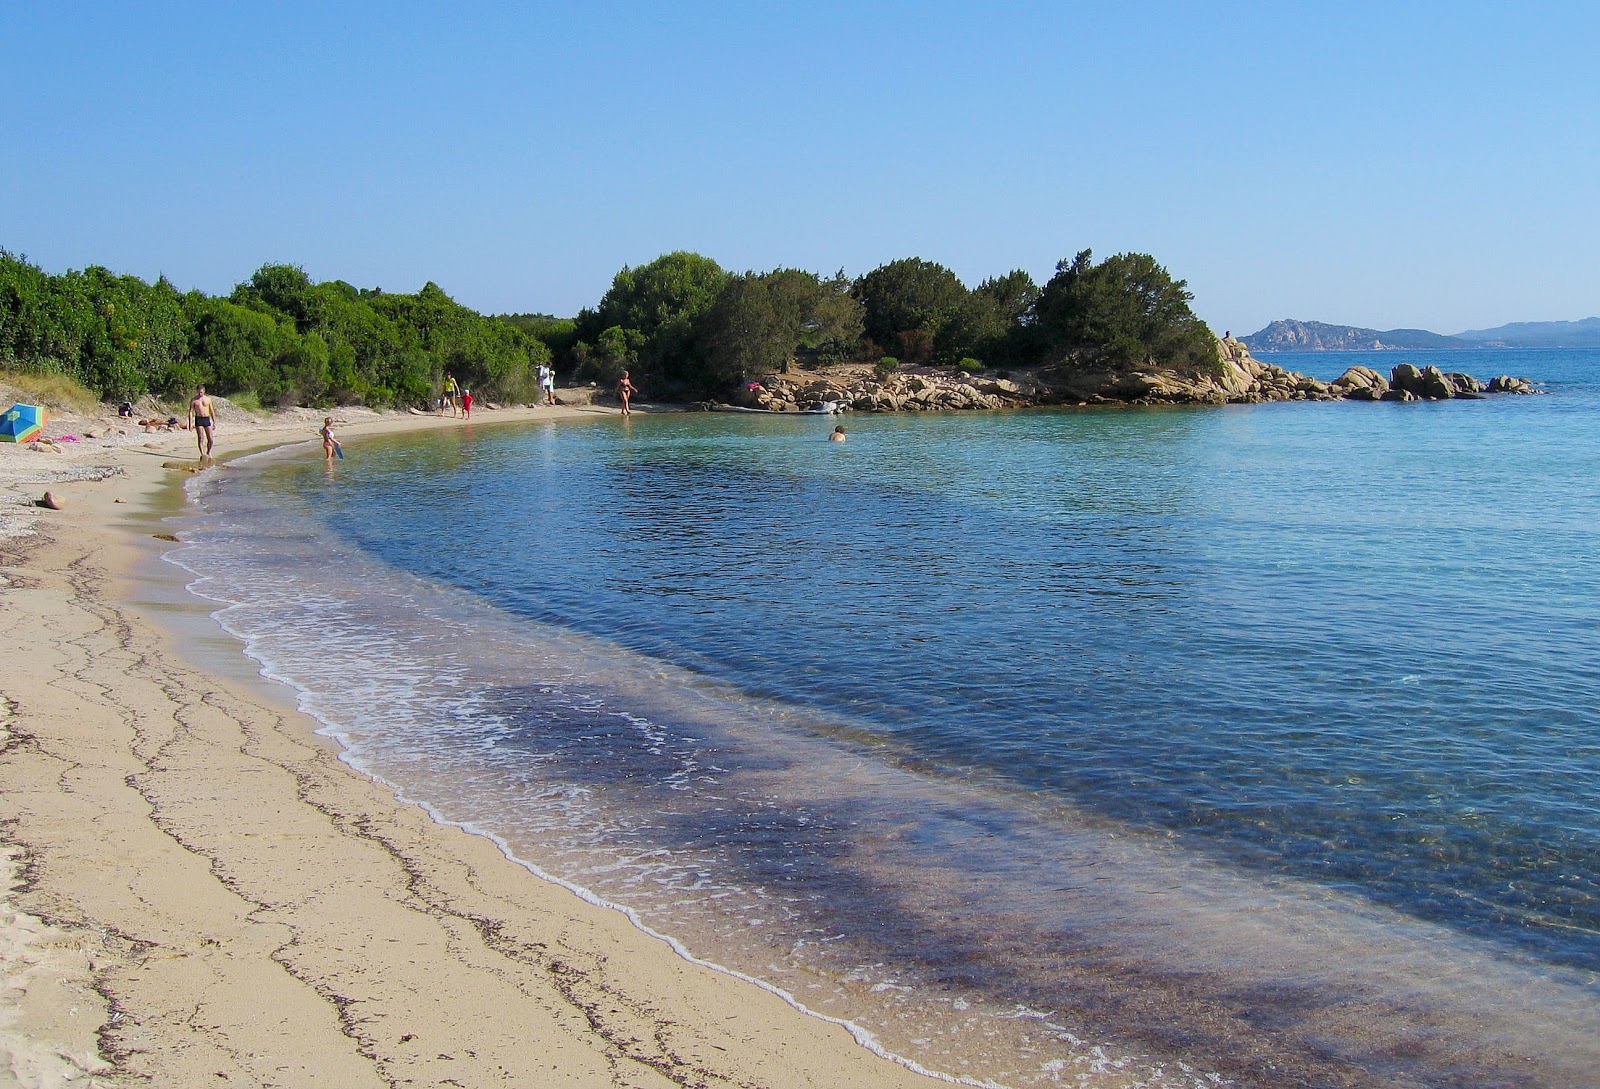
(203, 895)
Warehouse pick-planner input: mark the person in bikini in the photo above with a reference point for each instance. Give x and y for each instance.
(201, 417)
(625, 391)
(330, 445)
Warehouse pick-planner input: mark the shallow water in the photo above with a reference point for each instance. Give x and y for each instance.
(1146, 746)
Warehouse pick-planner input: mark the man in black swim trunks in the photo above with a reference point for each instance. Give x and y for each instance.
(200, 417)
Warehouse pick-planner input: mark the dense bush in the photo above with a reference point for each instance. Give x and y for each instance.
(685, 328)
(278, 338)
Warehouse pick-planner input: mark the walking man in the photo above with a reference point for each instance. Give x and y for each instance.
(201, 417)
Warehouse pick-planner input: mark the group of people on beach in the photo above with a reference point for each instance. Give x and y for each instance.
(458, 399)
(203, 414)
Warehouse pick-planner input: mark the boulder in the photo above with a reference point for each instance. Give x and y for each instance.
(1464, 383)
(1395, 393)
(1356, 378)
(1406, 377)
(1237, 379)
(1435, 386)
(1504, 383)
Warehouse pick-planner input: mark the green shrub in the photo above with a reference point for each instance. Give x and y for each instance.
(969, 366)
(887, 366)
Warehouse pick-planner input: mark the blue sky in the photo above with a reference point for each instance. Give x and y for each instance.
(1398, 164)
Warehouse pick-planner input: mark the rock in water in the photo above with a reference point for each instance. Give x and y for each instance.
(1435, 386)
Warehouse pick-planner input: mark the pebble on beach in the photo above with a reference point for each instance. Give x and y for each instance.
(52, 501)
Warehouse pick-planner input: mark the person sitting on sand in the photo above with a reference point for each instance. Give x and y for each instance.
(838, 434)
(625, 391)
(201, 415)
(330, 445)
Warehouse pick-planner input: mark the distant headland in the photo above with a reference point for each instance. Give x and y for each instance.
(1290, 335)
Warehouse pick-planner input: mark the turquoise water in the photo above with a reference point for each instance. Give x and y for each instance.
(1162, 745)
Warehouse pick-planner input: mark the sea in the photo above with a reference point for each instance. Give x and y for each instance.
(1250, 746)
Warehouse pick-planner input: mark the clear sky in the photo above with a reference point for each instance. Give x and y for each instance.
(1434, 165)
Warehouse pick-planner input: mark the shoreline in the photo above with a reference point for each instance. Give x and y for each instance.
(213, 896)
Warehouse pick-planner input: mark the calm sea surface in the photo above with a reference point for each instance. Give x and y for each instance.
(1254, 745)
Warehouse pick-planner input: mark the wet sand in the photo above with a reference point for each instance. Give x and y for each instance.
(203, 894)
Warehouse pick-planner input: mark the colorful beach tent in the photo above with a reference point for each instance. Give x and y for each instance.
(22, 423)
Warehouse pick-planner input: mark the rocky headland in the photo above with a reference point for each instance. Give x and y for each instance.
(1240, 378)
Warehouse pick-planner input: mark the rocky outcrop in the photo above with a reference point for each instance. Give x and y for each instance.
(1243, 379)
(1504, 383)
(1239, 378)
(892, 393)
(1432, 384)
(1360, 384)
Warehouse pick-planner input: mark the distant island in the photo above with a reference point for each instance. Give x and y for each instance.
(1290, 335)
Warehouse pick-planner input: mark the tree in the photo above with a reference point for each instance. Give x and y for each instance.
(1125, 311)
(556, 334)
(819, 316)
(993, 324)
(239, 345)
(656, 306)
(908, 296)
(744, 333)
(284, 289)
(1013, 295)
(759, 323)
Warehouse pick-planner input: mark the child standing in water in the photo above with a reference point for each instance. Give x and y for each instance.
(330, 445)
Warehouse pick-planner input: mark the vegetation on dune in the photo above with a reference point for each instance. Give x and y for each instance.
(682, 324)
(56, 391)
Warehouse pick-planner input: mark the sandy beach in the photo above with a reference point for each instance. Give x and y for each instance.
(200, 893)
